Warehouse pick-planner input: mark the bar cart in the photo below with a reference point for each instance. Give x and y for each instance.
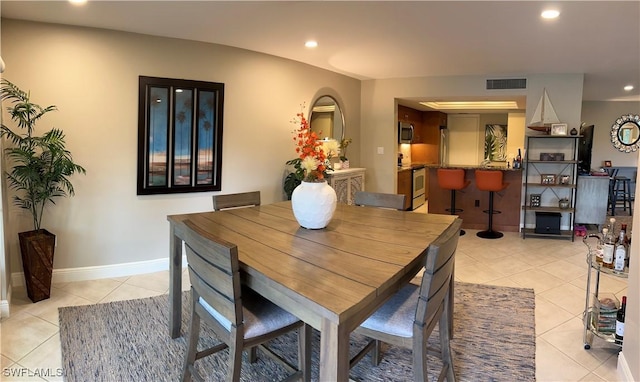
(597, 318)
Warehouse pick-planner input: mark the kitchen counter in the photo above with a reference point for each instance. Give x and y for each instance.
(473, 201)
(412, 166)
(472, 167)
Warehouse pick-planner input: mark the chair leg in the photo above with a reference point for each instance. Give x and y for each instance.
(235, 362)
(253, 354)
(192, 345)
(451, 301)
(376, 353)
(304, 352)
(445, 344)
(420, 371)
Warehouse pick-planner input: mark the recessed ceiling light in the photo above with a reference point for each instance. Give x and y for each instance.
(479, 105)
(628, 88)
(78, 2)
(550, 14)
(311, 44)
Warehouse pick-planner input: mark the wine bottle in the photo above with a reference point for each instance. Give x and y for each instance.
(607, 250)
(600, 245)
(620, 253)
(620, 321)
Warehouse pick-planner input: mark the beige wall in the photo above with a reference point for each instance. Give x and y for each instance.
(92, 76)
(602, 115)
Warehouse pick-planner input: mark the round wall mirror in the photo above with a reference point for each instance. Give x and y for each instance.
(625, 133)
(326, 119)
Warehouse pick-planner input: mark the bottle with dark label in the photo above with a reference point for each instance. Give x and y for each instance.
(620, 321)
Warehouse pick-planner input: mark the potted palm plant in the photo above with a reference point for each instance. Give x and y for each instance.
(40, 167)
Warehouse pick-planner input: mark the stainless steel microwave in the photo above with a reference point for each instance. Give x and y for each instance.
(405, 132)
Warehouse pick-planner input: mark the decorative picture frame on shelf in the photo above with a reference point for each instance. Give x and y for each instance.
(548, 179)
(565, 179)
(534, 200)
(607, 163)
(559, 129)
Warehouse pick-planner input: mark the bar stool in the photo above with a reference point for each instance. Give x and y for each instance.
(490, 180)
(453, 179)
(620, 192)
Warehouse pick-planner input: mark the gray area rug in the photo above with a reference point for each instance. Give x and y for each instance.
(129, 341)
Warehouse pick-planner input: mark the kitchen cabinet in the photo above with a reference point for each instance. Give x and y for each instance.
(412, 116)
(429, 130)
(405, 186)
(346, 183)
(550, 175)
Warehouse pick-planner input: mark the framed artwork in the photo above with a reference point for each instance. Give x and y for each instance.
(179, 135)
(495, 142)
(565, 179)
(607, 163)
(548, 178)
(534, 200)
(559, 129)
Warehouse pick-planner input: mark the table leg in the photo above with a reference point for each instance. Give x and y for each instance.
(334, 352)
(175, 284)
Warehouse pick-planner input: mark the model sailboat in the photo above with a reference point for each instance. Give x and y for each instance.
(544, 114)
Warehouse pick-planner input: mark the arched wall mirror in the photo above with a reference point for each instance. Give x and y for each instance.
(625, 133)
(326, 118)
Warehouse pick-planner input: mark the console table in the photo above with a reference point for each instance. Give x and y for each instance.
(346, 182)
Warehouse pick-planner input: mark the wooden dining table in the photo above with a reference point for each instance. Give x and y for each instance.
(331, 278)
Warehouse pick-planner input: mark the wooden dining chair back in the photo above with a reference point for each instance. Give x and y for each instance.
(408, 317)
(377, 199)
(240, 317)
(242, 199)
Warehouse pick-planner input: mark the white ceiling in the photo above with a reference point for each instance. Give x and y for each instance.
(375, 40)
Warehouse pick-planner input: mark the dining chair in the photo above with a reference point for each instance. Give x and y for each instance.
(242, 199)
(377, 199)
(409, 316)
(239, 317)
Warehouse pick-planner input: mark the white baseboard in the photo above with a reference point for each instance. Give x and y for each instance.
(4, 305)
(103, 271)
(623, 370)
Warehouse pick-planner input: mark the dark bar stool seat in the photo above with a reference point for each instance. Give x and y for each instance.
(620, 193)
(452, 179)
(490, 180)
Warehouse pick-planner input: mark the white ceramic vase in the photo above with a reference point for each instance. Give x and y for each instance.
(313, 204)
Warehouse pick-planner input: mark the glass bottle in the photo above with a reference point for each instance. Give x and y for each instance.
(600, 245)
(620, 253)
(612, 228)
(607, 250)
(620, 321)
(628, 249)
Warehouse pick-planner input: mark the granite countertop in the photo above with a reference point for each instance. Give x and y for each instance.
(412, 166)
(472, 167)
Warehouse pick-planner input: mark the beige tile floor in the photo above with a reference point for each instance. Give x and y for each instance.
(555, 269)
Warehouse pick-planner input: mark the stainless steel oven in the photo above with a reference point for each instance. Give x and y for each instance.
(419, 181)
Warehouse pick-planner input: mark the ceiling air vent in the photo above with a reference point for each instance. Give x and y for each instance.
(507, 83)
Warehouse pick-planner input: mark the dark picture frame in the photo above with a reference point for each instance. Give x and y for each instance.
(180, 124)
(548, 178)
